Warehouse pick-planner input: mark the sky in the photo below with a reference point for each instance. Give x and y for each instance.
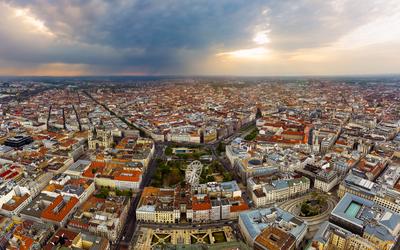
(199, 37)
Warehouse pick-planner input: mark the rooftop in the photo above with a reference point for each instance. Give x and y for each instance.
(255, 221)
(274, 238)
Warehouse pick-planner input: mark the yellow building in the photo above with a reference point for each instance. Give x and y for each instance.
(98, 137)
(381, 244)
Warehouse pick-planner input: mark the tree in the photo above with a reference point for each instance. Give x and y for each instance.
(168, 151)
(252, 135)
(175, 177)
(220, 147)
(164, 168)
(227, 176)
(210, 171)
(196, 155)
(304, 208)
(210, 178)
(103, 193)
(258, 113)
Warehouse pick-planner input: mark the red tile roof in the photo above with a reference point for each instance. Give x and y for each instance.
(54, 214)
(201, 205)
(128, 175)
(241, 207)
(94, 165)
(67, 235)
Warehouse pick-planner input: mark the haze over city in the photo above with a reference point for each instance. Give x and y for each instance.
(260, 37)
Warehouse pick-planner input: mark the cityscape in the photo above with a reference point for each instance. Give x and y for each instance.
(189, 162)
(220, 125)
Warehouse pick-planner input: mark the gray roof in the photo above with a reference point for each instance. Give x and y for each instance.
(256, 220)
(37, 205)
(341, 208)
(360, 184)
(73, 189)
(376, 220)
(79, 165)
(390, 220)
(324, 231)
(280, 184)
(230, 186)
(387, 228)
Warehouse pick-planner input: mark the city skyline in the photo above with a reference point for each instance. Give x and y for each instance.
(257, 38)
(200, 124)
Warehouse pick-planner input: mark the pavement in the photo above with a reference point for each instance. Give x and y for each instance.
(314, 222)
(220, 223)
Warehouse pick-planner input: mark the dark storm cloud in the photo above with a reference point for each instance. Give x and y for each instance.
(166, 36)
(161, 30)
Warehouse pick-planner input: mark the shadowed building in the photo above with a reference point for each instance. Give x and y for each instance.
(274, 238)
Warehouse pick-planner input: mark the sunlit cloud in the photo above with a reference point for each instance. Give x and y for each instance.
(253, 53)
(384, 29)
(261, 37)
(36, 24)
(49, 69)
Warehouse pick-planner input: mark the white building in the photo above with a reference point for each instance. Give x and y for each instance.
(325, 180)
(266, 193)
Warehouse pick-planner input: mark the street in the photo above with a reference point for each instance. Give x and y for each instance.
(130, 226)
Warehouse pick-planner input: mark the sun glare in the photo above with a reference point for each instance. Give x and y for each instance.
(36, 24)
(261, 37)
(253, 53)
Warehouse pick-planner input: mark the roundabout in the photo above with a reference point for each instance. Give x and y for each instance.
(314, 208)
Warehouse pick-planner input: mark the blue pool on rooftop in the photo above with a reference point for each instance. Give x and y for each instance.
(352, 209)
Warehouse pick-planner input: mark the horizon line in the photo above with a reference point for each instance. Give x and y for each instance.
(205, 75)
